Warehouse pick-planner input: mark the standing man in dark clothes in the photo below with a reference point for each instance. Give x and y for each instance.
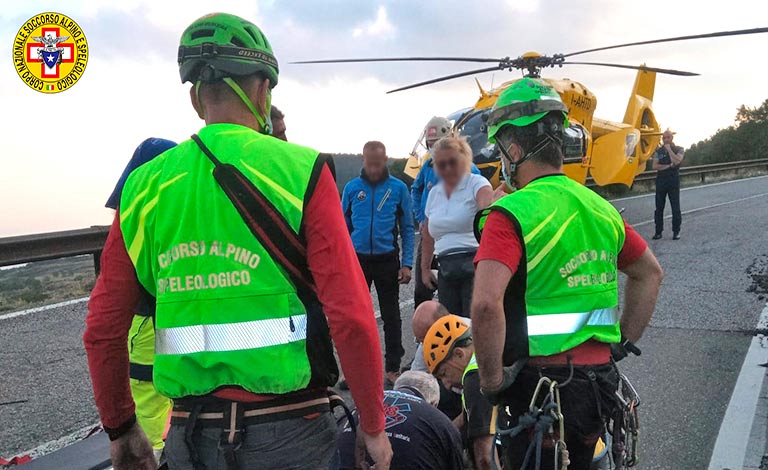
(377, 208)
(666, 162)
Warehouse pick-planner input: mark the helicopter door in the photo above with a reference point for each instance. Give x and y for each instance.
(613, 157)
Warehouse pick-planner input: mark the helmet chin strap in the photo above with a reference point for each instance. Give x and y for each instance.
(264, 122)
(510, 172)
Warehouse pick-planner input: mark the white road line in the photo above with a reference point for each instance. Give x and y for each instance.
(64, 441)
(690, 188)
(732, 440)
(21, 313)
(699, 209)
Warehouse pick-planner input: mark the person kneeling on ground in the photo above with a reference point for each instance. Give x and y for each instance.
(421, 436)
(450, 356)
(425, 316)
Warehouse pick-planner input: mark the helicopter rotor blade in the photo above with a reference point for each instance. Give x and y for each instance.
(718, 34)
(681, 73)
(446, 78)
(400, 59)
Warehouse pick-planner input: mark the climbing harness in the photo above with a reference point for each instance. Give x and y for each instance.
(625, 425)
(541, 420)
(234, 417)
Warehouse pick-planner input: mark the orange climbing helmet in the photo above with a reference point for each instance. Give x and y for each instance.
(442, 337)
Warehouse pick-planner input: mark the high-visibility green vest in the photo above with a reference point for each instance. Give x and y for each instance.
(565, 291)
(227, 314)
(472, 366)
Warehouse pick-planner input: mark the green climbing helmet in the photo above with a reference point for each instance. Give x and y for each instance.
(221, 45)
(523, 103)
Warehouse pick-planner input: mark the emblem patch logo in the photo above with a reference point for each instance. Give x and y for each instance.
(395, 411)
(50, 52)
(361, 196)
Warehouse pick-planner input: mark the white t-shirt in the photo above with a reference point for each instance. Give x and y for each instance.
(451, 218)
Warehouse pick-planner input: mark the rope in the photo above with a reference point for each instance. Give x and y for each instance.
(541, 420)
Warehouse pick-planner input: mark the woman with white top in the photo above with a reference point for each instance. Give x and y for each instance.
(448, 232)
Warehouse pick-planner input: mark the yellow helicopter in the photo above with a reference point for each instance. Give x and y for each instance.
(610, 152)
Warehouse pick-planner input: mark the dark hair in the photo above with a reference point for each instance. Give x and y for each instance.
(374, 145)
(529, 136)
(275, 114)
(220, 91)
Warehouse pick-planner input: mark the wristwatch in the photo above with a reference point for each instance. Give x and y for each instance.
(116, 433)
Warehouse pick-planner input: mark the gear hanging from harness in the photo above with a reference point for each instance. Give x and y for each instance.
(540, 420)
(625, 425)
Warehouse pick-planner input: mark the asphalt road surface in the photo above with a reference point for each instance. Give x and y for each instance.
(692, 353)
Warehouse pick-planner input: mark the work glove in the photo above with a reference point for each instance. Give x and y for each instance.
(508, 376)
(621, 350)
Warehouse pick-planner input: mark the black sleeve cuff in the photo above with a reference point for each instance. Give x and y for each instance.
(115, 433)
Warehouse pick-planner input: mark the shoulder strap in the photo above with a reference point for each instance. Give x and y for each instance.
(264, 221)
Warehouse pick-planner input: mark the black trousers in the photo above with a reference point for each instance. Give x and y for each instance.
(587, 404)
(455, 279)
(383, 274)
(668, 187)
(421, 293)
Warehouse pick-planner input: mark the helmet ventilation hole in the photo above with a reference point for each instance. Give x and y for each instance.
(202, 33)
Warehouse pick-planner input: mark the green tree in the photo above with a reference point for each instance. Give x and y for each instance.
(746, 139)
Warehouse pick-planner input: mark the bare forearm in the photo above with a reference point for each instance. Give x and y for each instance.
(427, 250)
(488, 332)
(640, 294)
(482, 447)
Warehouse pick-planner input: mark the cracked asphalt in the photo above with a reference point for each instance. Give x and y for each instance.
(692, 352)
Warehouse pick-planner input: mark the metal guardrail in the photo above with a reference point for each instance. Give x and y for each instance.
(53, 245)
(699, 170)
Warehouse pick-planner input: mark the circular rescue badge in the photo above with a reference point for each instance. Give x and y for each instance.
(50, 52)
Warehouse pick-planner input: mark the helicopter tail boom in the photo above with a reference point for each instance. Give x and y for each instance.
(640, 115)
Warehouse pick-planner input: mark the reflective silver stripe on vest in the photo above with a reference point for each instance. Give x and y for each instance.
(564, 323)
(230, 336)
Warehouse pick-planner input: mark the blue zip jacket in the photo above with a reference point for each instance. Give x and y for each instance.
(376, 213)
(145, 152)
(424, 182)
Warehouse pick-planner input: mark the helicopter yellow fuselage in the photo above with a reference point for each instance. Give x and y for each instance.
(612, 152)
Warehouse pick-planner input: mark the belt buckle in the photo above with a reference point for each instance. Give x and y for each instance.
(232, 432)
(233, 444)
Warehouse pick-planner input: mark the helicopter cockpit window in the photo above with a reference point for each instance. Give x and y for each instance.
(475, 130)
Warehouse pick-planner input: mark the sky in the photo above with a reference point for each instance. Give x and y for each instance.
(61, 154)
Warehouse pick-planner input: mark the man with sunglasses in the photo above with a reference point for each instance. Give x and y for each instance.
(546, 292)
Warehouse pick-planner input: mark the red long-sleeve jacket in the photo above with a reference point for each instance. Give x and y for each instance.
(341, 288)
